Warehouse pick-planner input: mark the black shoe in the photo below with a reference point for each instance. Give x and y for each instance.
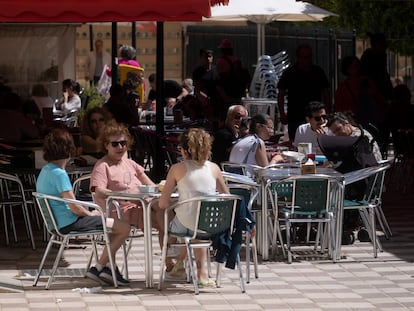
(363, 235)
(348, 238)
(106, 275)
(93, 274)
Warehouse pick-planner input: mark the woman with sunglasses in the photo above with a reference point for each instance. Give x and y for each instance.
(251, 149)
(316, 125)
(115, 172)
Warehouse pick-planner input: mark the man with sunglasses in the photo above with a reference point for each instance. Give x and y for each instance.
(225, 137)
(316, 125)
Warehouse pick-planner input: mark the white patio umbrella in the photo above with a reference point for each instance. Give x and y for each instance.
(263, 12)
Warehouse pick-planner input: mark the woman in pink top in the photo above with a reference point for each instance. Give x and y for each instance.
(116, 173)
(127, 55)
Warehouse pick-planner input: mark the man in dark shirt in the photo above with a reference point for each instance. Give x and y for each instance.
(303, 83)
(225, 137)
(173, 92)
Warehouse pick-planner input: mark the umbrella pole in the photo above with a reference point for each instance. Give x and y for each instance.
(259, 45)
(261, 39)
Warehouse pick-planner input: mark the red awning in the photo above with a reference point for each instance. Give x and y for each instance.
(81, 11)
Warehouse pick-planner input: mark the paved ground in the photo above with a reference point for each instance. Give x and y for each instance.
(358, 282)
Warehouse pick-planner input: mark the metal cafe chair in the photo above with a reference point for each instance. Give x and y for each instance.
(313, 201)
(56, 237)
(370, 206)
(215, 215)
(12, 196)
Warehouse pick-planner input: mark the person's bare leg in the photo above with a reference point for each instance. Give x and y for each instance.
(200, 255)
(120, 232)
(157, 220)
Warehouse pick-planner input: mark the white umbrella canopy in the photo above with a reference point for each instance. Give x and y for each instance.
(263, 12)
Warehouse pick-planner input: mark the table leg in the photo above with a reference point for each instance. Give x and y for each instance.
(339, 220)
(148, 245)
(265, 237)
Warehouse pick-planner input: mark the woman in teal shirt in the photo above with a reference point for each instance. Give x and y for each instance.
(54, 180)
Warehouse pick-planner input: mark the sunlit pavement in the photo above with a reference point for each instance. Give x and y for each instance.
(357, 282)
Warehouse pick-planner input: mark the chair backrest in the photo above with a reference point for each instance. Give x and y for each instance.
(312, 195)
(11, 185)
(43, 202)
(215, 214)
(239, 168)
(81, 188)
(247, 192)
(46, 212)
(375, 183)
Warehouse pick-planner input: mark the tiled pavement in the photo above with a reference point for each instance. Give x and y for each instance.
(357, 282)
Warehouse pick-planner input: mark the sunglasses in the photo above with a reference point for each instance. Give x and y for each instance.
(319, 118)
(238, 116)
(115, 144)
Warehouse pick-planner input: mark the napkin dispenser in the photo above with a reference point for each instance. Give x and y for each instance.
(309, 167)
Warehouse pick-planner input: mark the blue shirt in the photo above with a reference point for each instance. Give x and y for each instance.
(54, 180)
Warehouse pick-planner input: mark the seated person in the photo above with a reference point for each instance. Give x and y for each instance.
(123, 103)
(54, 180)
(316, 125)
(251, 149)
(116, 173)
(173, 93)
(93, 123)
(342, 125)
(71, 100)
(127, 55)
(196, 175)
(225, 137)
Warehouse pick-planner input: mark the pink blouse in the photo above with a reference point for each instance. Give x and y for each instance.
(124, 176)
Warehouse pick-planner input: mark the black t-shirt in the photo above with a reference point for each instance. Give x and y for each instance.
(172, 89)
(222, 144)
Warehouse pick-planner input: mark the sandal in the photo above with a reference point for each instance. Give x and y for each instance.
(206, 283)
(178, 270)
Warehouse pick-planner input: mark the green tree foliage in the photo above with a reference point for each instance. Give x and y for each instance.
(394, 18)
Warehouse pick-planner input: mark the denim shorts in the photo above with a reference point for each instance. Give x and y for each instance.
(178, 228)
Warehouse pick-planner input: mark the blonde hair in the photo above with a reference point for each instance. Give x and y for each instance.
(113, 129)
(197, 144)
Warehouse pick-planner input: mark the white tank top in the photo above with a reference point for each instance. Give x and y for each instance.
(198, 180)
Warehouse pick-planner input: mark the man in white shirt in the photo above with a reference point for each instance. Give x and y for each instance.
(96, 62)
(316, 125)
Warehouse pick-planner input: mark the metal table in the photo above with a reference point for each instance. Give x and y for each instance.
(146, 206)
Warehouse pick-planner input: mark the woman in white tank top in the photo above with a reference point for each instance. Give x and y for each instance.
(196, 175)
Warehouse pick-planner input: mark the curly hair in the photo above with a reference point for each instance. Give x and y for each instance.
(58, 144)
(113, 129)
(197, 144)
(86, 120)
